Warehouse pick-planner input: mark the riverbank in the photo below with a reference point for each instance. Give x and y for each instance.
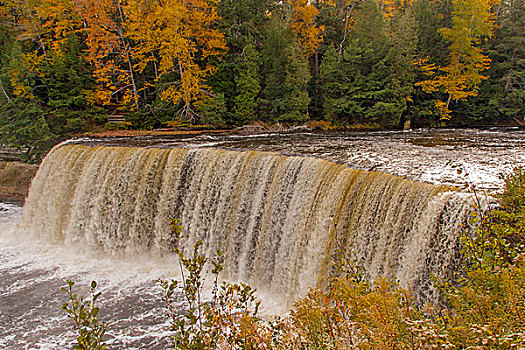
(15, 180)
(252, 129)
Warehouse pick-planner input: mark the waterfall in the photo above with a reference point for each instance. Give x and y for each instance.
(282, 220)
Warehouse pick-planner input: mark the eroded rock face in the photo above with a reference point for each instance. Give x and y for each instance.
(15, 179)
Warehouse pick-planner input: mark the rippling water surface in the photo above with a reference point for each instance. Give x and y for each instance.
(31, 275)
(448, 156)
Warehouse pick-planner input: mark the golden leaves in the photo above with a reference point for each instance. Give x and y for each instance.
(178, 34)
(20, 89)
(460, 79)
(109, 52)
(391, 7)
(59, 20)
(303, 25)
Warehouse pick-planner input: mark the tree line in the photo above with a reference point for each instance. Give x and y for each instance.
(65, 65)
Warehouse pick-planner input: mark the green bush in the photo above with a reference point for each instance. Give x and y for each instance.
(84, 313)
(487, 302)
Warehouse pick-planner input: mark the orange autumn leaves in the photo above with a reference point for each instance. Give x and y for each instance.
(180, 36)
(170, 46)
(303, 25)
(175, 38)
(51, 23)
(122, 38)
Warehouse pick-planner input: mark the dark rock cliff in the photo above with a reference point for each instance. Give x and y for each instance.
(15, 179)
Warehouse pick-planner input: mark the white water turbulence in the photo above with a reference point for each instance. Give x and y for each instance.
(282, 220)
(32, 270)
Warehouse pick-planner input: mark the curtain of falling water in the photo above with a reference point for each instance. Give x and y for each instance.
(282, 220)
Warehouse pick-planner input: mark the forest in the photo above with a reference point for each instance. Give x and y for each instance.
(66, 65)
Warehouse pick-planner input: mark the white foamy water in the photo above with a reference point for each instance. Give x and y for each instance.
(31, 275)
(32, 270)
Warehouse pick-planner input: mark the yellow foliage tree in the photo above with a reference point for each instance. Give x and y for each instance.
(59, 19)
(181, 36)
(47, 23)
(109, 51)
(390, 7)
(303, 25)
(472, 20)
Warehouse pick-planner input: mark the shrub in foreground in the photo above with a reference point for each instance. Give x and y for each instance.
(85, 316)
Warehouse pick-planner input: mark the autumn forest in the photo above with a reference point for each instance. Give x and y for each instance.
(66, 65)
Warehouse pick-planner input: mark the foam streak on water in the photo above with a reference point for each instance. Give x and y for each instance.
(31, 274)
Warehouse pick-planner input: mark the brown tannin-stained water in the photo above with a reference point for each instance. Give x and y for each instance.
(459, 157)
(284, 208)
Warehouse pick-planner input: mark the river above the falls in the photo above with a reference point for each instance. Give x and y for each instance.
(458, 157)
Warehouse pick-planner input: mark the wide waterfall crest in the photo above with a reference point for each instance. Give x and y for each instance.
(282, 220)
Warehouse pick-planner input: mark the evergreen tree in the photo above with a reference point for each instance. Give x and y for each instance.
(403, 52)
(430, 17)
(285, 68)
(23, 123)
(334, 87)
(243, 23)
(362, 86)
(212, 111)
(68, 80)
(248, 87)
(337, 18)
(508, 55)
(48, 96)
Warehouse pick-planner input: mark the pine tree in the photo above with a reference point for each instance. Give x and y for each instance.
(285, 68)
(362, 86)
(403, 52)
(334, 88)
(507, 52)
(243, 24)
(247, 86)
(337, 19)
(69, 80)
(430, 17)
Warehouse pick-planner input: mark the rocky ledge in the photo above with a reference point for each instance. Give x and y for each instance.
(15, 179)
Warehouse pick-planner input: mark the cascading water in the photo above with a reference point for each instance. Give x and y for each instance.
(282, 220)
